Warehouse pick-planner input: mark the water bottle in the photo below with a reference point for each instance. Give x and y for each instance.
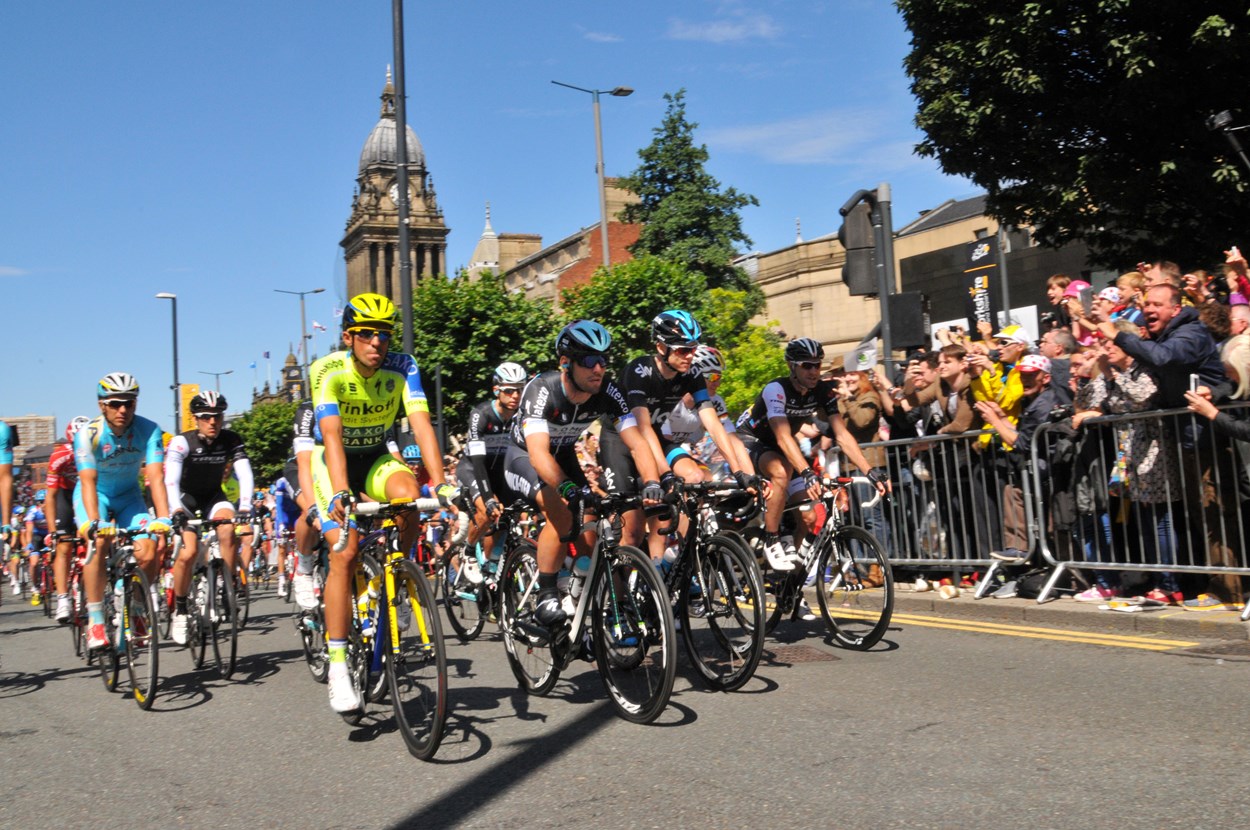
(666, 561)
(581, 568)
(368, 607)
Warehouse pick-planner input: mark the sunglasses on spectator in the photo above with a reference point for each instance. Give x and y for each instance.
(591, 361)
(369, 334)
(118, 403)
(808, 365)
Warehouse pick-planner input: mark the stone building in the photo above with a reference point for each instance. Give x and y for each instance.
(290, 387)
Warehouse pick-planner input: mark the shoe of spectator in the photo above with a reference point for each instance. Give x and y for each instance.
(1007, 591)
(1097, 593)
(922, 584)
(1010, 555)
(1203, 602)
(1174, 598)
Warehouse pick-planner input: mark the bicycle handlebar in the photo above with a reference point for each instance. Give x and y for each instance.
(380, 508)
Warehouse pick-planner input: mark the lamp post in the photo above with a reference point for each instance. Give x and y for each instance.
(217, 377)
(619, 92)
(173, 299)
(303, 328)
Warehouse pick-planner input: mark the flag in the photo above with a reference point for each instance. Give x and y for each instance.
(266, 355)
(338, 312)
(252, 365)
(862, 359)
(317, 326)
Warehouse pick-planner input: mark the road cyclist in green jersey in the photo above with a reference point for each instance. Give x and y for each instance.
(356, 394)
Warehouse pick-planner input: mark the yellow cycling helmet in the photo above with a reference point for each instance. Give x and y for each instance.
(369, 310)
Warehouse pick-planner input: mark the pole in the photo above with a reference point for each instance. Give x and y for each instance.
(603, 190)
(1002, 270)
(177, 389)
(883, 224)
(303, 340)
(401, 173)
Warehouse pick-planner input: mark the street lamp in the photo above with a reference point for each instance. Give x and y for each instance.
(173, 299)
(303, 325)
(217, 377)
(619, 92)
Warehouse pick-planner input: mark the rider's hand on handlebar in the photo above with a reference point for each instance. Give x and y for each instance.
(339, 503)
(493, 509)
(652, 493)
(747, 481)
(881, 480)
(811, 482)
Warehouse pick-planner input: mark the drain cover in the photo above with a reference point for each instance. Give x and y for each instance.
(797, 654)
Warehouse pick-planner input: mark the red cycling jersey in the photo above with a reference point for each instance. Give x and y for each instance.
(62, 471)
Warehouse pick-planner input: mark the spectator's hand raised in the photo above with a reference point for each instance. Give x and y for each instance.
(1234, 257)
(1200, 404)
(990, 410)
(985, 329)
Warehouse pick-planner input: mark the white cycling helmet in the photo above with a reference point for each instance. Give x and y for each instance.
(509, 374)
(708, 360)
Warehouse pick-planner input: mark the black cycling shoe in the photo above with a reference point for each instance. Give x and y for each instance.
(549, 612)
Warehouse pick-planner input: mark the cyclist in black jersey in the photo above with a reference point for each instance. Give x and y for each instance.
(308, 528)
(768, 427)
(654, 385)
(195, 464)
(480, 471)
(541, 465)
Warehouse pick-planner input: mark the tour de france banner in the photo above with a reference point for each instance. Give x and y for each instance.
(980, 272)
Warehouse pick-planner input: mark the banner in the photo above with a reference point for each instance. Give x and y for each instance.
(979, 275)
(187, 391)
(863, 358)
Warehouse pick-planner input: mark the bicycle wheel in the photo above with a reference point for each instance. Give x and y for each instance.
(635, 645)
(243, 595)
(416, 662)
(464, 601)
(855, 588)
(77, 613)
(312, 633)
(198, 626)
(142, 642)
(108, 657)
(165, 603)
(375, 668)
(526, 641)
(722, 614)
(47, 589)
(224, 623)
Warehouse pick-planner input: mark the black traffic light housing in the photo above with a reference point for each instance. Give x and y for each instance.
(859, 239)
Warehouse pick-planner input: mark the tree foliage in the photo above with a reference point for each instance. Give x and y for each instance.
(1088, 120)
(267, 431)
(470, 326)
(726, 315)
(685, 216)
(755, 358)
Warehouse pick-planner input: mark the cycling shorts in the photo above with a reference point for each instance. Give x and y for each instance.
(285, 512)
(468, 485)
(522, 480)
(365, 474)
(65, 525)
(206, 505)
(127, 508)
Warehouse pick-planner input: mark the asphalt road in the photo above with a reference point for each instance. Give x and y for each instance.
(936, 728)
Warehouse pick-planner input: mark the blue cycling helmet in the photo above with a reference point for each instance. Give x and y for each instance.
(411, 453)
(585, 337)
(40, 495)
(675, 328)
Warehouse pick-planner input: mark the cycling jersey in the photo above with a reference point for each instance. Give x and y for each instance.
(6, 443)
(367, 407)
(779, 399)
(683, 425)
(486, 445)
(307, 433)
(118, 459)
(62, 472)
(34, 516)
(645, 386)
(195, 467)
(545, 408)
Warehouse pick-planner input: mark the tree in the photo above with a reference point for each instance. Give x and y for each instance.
(627, 297)
(1088, 120)
(727, 313)
(267, 432)
(755, 359)
(471, 326)
(685, 216)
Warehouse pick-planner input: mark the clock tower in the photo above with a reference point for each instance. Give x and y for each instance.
(370, 243)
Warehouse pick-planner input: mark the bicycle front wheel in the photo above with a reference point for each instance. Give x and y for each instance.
(463, 600)
(198, 625)
(109, 657)
(855, 588)
(224, 623)
(635, 644)
(243, 595)
(142, 641)
(77, 613)
(526, 641)
(416, 660)
(721, 609)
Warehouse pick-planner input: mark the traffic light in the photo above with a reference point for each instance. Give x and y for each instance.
(857, 237)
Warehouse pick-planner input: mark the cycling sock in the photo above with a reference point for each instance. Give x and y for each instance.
(180, 605)
(305, 566)
(548, 584)
(95, 613)
(62, 596)
(338, 650)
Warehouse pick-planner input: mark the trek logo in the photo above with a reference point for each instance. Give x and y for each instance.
(364, 409)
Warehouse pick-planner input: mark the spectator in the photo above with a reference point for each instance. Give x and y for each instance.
(1238, 320)
(1217, 320)
(1059, 345)
(1161, 272)
(1194, 285)
(1058, 317)
(861, 407)
(1130, 285)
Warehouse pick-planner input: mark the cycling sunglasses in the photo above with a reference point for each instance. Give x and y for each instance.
(808, 364)
(591, 361)
(369, 334)
(118, 403)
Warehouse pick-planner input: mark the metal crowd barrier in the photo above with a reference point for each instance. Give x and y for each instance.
(1185, 513)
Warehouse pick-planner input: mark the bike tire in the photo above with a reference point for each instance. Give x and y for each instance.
(142, 640)
(312, 631)
(856, 611)
(47, 590)
(375, 677)
(465, 605)
(224, 624)
(526, 642)
(77, 614)
(634, 637)
(243, 586)
(722, 613)
(107, 658)
(416, 662)
(198, 627)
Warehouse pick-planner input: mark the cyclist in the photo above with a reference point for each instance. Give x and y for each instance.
(307, 436)
(59, 508)
(654, 384)
(480, 471)
(6, 481)
(286, 512)
(768, 430)
(110, 453)
(541, 464)
(35, 534)
(684, 424)
(357, 393)
(193, 485)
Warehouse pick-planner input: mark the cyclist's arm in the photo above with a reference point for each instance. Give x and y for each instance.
(173, 472)
(475, 445)
(427, 440)
(335, 455)
(6, 493)
(247, 484)
(850, 447)
(538, 445)
(646, 432)
(710, 419)
(303, 462)
(87, 480)
(644, 456)
(160, 499)
(49, 509)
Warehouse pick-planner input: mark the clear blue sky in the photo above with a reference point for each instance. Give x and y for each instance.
(210, 150)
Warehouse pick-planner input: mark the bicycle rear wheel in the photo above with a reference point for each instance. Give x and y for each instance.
(416, 662)
(721, 608)
(464, 601)
(855, 588)
(198, 626)
(142, 641)
(165, 603)
(47, 588)
(635, 645)
(526, 641)
(225, 621)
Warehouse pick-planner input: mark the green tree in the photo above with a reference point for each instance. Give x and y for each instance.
(756, 358)
(1087, 120)
(727, 313)
(267, 431)
(626, 297)
(470, 326)
(685, 215)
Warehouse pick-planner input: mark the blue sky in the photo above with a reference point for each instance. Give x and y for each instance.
(210, 150)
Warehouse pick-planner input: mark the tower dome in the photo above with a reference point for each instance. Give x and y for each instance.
(379, 147)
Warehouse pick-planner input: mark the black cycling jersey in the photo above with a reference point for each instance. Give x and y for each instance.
(779, 399)
(645, 386)
(307, 435)
(545, 408)
(195, 469)
(486, 444)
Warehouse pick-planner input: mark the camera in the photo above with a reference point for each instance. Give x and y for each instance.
(1059, 413)
(1219, 120)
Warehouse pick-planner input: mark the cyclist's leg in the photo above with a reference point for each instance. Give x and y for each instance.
(620, 478)
(131, 512)
(223, 509)
(387, 480)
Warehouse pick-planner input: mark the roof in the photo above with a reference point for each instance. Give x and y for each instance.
(380, 146)
(947, 213)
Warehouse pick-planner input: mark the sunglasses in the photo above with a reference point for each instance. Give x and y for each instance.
(591, 361)
(207, 416)
(683, 351)
(712, 378)
(118, 403)
(510, 390)
(808, 365)
(369, 334)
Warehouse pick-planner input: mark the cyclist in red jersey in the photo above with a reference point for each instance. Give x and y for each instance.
(59, 508)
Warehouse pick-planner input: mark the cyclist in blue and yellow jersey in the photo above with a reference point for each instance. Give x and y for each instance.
(356, 395)
(33, 538)
(6, 481)
(110, 453)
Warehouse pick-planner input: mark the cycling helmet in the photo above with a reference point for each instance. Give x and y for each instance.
(208, 401)
(804, 349)
(411, 453)
(585, 337)
(71, 429)
(372, 310)
(708, 360)
(18, 510)
(509, 374)
(117, 383)
(675, 328)
(40, 495)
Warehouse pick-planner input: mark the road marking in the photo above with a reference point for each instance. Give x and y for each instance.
(1036, 633)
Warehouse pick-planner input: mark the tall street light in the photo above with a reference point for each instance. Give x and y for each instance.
(217, 377)
(303, 327)
(619, 92)
(173, 299)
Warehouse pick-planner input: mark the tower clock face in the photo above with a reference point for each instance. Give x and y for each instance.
(292, 373)
(394, 193)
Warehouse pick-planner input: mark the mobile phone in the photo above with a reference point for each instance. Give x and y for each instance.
(1193, 383)
(1087, 299)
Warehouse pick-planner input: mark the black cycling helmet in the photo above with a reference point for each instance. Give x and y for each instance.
(585, 337)
(804, 349)
(208, 401)
(675, 328)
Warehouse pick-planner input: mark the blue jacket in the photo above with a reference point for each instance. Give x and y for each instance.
(1183, 348)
